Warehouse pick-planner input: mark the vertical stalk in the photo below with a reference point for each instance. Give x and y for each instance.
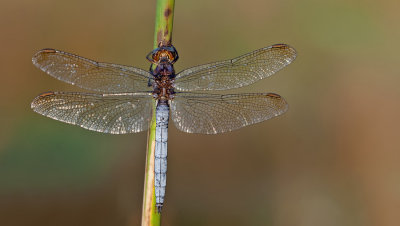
(162, 37)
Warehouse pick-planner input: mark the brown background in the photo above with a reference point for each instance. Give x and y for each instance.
(332, 159)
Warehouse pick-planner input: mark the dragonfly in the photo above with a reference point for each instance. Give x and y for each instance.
(123, 96)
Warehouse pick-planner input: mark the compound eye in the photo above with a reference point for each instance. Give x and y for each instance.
(171, 56)
(153, 56)
(156, 56)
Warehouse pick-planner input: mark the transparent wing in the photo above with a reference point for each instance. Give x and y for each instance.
(106, 113)
(212, 113)
(89, 74)
(237, 72)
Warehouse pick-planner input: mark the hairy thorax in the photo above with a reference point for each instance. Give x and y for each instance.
(164, 76)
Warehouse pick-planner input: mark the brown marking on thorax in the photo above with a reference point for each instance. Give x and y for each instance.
(163, 89)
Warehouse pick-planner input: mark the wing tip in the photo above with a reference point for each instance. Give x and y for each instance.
(287, 48)
(35, 102)
(284, 106)
(38, 56)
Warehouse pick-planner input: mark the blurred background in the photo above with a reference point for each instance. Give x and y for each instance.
(332, 159)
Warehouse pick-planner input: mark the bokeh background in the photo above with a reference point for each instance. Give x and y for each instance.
(332, 159)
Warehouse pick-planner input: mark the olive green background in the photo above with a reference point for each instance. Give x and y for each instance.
(332, 159)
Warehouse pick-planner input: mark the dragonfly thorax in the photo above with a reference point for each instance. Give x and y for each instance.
(164, 69)
(163, 81)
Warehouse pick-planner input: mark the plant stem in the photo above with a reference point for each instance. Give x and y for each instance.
(162, 36)
(164, 21)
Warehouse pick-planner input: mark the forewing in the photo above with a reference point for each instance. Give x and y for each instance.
(237, 72)
(107, 113)
(89, 74)
(212, 113)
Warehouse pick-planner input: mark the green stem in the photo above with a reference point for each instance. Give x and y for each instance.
(162, 36)
(164, 21)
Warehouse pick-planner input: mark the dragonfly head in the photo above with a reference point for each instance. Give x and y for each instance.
(163, 54)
